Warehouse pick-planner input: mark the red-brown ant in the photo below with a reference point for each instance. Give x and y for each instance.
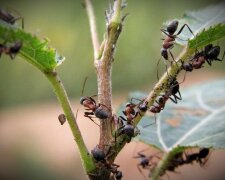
(130, 112)
(97, 110)
(9, 18)
(209, 54)
(11, 50)
(128, 129)
(168, 42)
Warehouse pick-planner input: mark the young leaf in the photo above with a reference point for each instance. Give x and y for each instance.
(199, 21)
(197, 120)
(34, 50)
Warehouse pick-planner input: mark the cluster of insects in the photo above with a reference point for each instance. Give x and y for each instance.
(125, 124)
(13, 48)
(181, 158)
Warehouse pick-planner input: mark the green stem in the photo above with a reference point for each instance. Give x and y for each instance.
(117, 11)
(61, 94)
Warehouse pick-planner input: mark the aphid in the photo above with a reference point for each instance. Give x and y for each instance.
(93, 109)
(62, 118)
(9, 18)
(11, 50)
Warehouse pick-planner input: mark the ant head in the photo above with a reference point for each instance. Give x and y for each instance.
(98, 154)
(143, 106)
(172, 27)
(82, 99)
(164, 53)
(118, 175)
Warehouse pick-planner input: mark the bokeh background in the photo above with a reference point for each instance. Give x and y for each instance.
(33, 145)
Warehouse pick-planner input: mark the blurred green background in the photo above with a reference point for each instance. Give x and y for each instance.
(65, 23)
(24, 138)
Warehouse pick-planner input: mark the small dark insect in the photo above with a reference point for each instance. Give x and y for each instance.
(9, 18)
(11, 50)
(93, 109)
(174, 89)
(62, 118)
(146, 162)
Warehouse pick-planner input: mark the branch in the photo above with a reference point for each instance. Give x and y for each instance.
(60, 92)
(93, 28)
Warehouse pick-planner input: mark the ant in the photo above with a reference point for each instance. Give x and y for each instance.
(11, 50)
(200, 157)
(9, 18)
(129, 111)
(97, 110)
(145, 161)
(100, 156)
(128, 129)
(168, 42)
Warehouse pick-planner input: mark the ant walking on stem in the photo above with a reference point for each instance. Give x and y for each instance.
(93, 109)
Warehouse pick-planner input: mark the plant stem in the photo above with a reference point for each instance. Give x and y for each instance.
(62, 97)
(93, 28)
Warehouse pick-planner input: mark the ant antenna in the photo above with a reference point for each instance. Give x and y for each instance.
(85, 80)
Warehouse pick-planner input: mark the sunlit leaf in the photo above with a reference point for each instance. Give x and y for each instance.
(197, 120)
(35, 50)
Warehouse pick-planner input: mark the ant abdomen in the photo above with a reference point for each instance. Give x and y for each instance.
(101, 113)
(98, 154)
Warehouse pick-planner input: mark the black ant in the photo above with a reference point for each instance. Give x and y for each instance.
(11, 50)
(145, 161)
(97, 110)
(9, 18)
(100, 156)
(200, 157)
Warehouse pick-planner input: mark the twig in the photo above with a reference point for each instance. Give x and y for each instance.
(93, 28)
(61, 94)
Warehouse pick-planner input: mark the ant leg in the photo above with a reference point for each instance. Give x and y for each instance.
(209, 62)
(87, 114)
(181, 29)
(151, 123)
(139, 169)
(174, 100)
(158, 68)
(166, 33)
(172, 55)
(222, 57)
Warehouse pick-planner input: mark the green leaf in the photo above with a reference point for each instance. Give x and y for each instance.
(207, 24)
(34, 50)
(197, 120)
